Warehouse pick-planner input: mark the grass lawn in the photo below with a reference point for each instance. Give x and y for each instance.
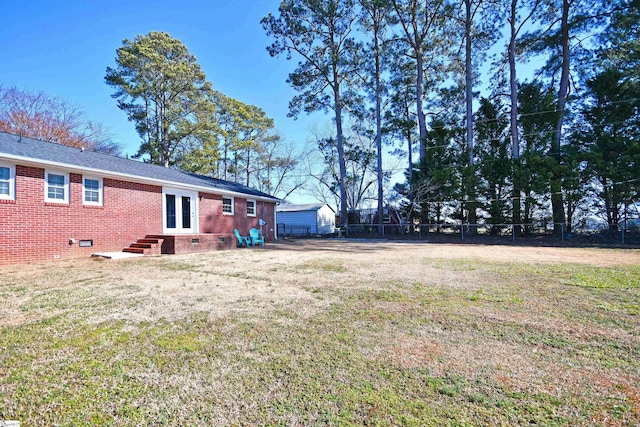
(325, 333)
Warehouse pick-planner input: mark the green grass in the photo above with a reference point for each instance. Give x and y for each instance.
(603, 278)
(387, 353)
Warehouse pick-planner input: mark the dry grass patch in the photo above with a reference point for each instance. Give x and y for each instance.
(325, 333)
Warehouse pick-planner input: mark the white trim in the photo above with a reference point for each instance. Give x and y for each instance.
(233, 205)
(275, 221)
(12, 182)
(65, 187)
(100, 191)
(179, 194)
(27, 161)
(255, 207)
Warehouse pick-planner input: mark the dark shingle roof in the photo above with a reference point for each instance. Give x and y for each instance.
(45, 152)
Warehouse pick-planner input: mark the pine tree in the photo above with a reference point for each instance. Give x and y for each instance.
(320, 33)
(161, 87)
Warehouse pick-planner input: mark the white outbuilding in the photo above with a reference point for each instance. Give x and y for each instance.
(304, 220)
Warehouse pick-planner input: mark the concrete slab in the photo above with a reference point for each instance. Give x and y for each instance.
(116, 255)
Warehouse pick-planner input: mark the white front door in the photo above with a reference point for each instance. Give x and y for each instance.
(179, 209)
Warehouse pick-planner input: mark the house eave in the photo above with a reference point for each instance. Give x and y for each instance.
(27, 161)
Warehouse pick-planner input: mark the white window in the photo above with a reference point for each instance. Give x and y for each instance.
(56, 188)
(251, 208)
(227, 205)
(92, 191)
(7, 182)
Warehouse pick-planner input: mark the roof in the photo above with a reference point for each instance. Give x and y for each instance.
(301, 208)
(29, 150)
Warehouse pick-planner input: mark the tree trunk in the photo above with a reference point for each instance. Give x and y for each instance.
(268, 169)
(165, 152)
(557, 203)
(147, 120)
(248, 165)
(158, 136)
(236, 167)
(225, 160)
(469, 80)
(515, 140)
(469, 101)
(411, 183)
(378, 73)
(422, 122)
(344, 219)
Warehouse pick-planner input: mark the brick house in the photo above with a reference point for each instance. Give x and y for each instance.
(62, 202)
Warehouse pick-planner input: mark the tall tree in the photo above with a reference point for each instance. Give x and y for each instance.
(536, 106)
(423, 25)
(563, 26)
(495, 162)
(375, 17)
(400, 124)
(621, 39)
(236, 139)
(161, 87)
(203, 155)
(41, 116)
(557, 204)
(516, 24)
(611, 135)
(477, 24)
(436, 180)
(253, 129)
(320, 32)
(228, 121)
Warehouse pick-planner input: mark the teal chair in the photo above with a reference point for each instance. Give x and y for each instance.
(242, 240)
(256, 237)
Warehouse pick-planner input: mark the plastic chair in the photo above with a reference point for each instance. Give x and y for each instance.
(242, 240)
(256, 237)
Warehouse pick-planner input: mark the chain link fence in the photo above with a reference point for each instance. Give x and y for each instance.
(624, 233)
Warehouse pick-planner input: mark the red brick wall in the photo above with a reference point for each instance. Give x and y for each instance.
(32, 230)
(213, 221)
(190, 243)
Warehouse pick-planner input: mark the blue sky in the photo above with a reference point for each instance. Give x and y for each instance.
(64, 47)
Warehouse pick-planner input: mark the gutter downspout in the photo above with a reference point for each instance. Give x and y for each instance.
(275, 221)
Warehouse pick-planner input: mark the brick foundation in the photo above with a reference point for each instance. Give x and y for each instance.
(190, 243)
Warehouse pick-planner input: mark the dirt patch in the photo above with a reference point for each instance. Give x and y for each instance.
(326, 332)
(536, 254)
(285, 274)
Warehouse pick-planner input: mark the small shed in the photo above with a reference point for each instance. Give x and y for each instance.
(301, 220)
